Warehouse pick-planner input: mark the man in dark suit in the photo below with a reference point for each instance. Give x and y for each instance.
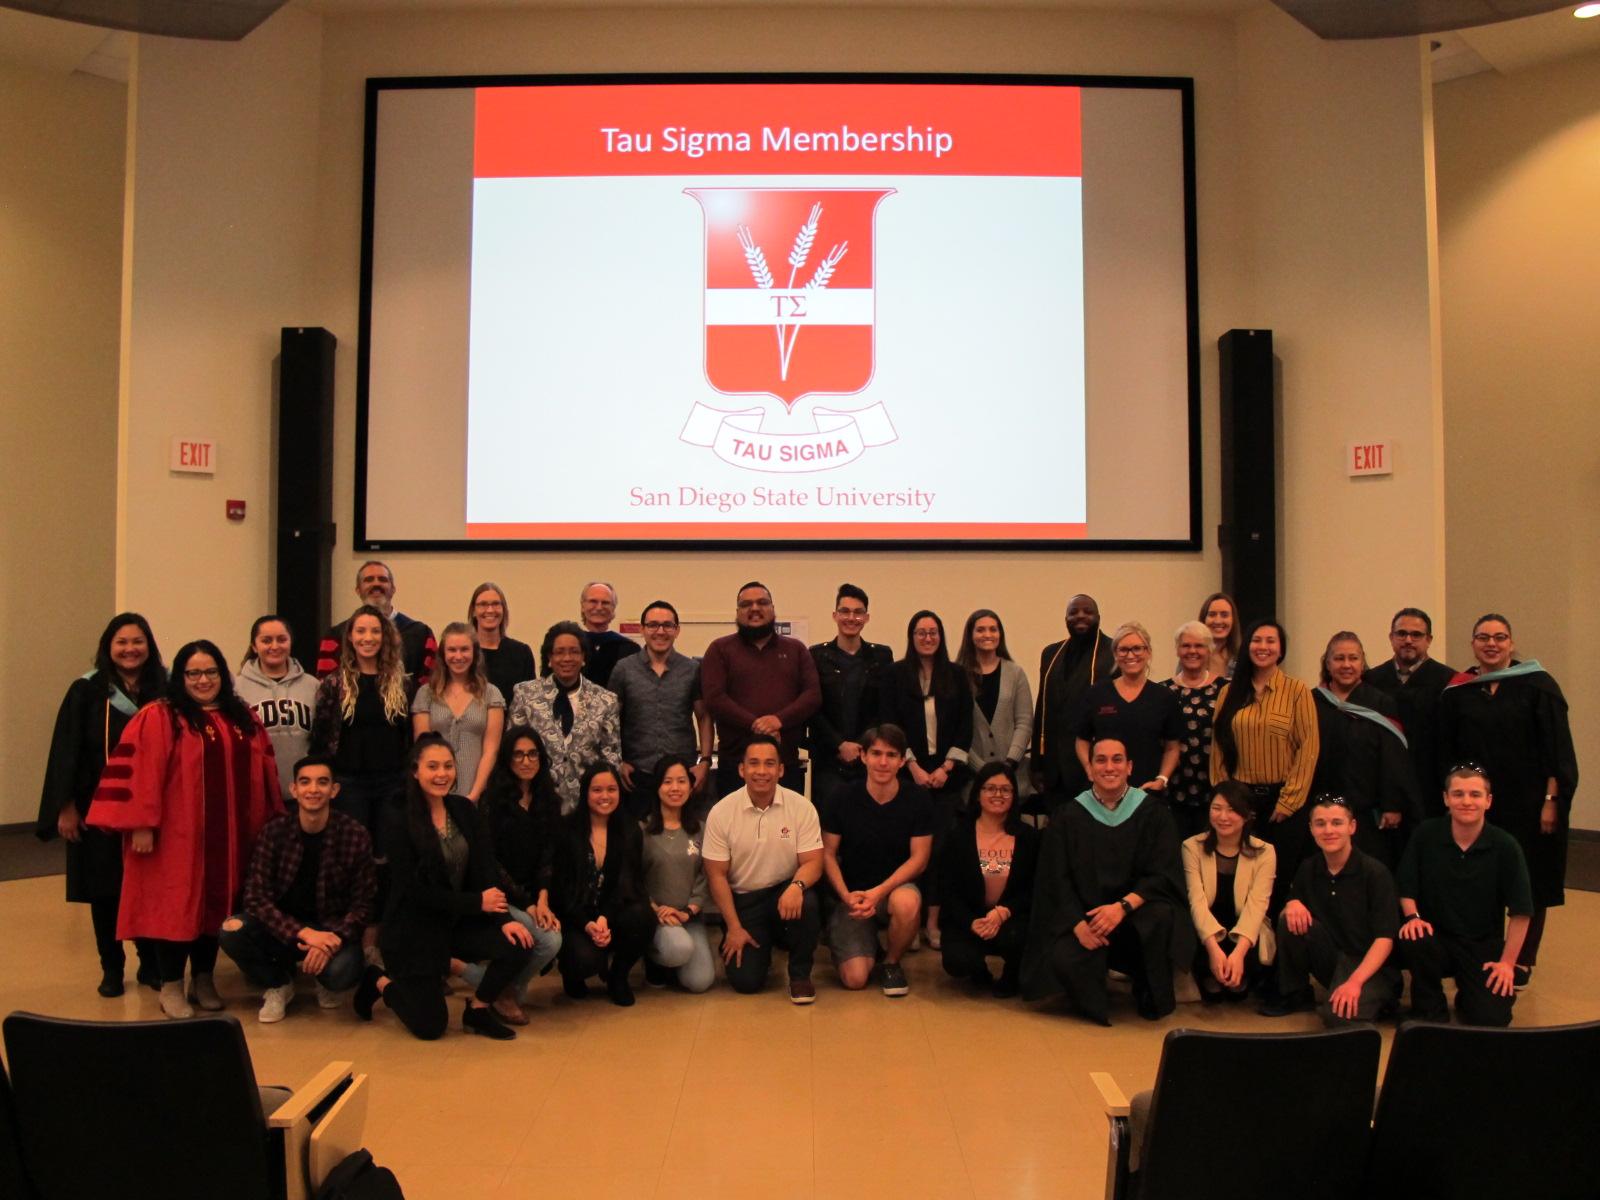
(1416, 682)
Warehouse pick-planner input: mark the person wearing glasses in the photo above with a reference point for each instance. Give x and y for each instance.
(575, 718)
(506, 661)
(1144, 716)
(929, 698)
(853, 675)
(1509, 715)
(1362, 751)
(1265, 735)
(1467, 901)
(1415, 682)
(662, 712)
(597, 605)
(1339, 926)
(188, 787)
(755, 680)
(987, 884)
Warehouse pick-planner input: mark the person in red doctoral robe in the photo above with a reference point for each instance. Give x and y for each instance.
(189, 786)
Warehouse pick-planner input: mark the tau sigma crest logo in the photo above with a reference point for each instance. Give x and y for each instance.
(789, 311)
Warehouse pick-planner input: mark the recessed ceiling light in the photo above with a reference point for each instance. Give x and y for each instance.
(1585, 11)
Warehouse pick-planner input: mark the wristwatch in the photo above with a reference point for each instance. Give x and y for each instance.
(1127, 909)
(1163, 780)
(799, 883)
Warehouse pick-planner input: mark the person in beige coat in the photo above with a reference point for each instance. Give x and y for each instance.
(1229, 876)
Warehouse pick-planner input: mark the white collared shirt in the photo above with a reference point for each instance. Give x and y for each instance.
(760, 845)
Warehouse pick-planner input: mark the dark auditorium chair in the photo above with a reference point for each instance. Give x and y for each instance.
(1246, 1116)
(167, 1108)
(1471, 1112)
(14, 1181)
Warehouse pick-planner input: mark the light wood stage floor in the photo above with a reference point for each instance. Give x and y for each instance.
(941, 1094)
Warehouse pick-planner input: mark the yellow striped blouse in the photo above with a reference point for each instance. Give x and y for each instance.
(1277, 739)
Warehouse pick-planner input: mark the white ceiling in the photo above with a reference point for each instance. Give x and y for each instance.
(47, 43)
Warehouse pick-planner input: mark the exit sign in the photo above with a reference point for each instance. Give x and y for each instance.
(1369, 458)
(193, 456)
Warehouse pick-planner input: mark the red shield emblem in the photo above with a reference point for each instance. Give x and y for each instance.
(789, 300)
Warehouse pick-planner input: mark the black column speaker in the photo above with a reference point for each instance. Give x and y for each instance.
(1248, 534)
(305, 486)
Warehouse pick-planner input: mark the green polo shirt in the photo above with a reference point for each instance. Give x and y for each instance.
(1466, 893)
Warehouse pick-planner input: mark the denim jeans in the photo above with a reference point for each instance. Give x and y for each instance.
(687, 950)
(267, 962)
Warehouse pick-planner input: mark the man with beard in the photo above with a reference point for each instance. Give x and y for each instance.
(375, 586)
(1415, 682)
(1067, 670)
(757, 681)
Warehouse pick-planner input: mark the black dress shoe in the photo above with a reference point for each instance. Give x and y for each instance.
(575, 986)
(148, 975)
(1293, 1002)
(110, 983)
(367, 993)
(619, 991)
(487, 1023)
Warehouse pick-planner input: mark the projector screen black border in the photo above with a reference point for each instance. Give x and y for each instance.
(376, 85)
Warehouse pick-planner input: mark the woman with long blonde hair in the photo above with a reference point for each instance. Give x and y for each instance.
(362, 718)
(461, 705)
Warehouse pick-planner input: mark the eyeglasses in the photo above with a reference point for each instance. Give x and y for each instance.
(659, 626)
(1132, 651)
(1499, 639)
(850, 614)
(196, 674)
(488, 604)
(925, 634)
(524, 756)
(1409, 635)
(746, 604)
(991, 789)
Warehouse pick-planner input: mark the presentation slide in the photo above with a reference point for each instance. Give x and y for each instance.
(808, 312)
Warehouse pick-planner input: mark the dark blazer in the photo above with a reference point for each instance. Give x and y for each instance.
(961, 881)
(1418, 702)
(423, 908)
(623, 870)
(952, 713)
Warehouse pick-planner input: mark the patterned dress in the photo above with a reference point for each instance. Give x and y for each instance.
(1191, 784)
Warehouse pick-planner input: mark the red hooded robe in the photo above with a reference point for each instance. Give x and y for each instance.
(206, 794)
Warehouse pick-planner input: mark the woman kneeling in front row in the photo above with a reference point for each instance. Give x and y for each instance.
(443, 902)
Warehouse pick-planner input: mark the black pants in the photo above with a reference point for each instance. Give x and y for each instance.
(1141, 946)
(963, 952)
(1289, 839)
(947, 802)
(267, 962)
(418, 1000)
(1431, 959)
(1529, 956)
(1201, 966)
(632, 928)
(758, 913)
(1315, 953)
(103, 915)
(200, 954)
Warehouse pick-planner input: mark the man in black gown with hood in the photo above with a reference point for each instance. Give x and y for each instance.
(1067, 670)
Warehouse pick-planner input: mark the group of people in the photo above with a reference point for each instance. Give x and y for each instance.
(463, 808)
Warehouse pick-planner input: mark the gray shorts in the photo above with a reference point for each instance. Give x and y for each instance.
(851, 937)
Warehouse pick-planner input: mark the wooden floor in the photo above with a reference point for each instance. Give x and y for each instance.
(940, 1094)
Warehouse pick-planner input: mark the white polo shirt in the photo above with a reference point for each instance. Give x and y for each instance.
(760, 845)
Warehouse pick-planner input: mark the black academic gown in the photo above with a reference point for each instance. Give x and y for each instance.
(1067, 670)
(1369, 767)
(1084, 864)
(1417, 700)
(1521, 736)
(87, 726)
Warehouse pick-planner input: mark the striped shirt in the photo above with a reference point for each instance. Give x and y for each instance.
(1276, 734)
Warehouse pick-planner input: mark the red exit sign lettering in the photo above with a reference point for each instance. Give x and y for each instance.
(193, 456)
(1369, 458)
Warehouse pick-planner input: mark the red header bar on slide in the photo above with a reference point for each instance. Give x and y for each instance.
(778, 129)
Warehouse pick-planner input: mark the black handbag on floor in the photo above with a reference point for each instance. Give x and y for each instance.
(357, 1177)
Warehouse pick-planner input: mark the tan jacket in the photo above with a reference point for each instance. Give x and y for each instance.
(1252, 888)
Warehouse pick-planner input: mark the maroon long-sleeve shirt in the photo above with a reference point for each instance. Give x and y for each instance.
(741, 682)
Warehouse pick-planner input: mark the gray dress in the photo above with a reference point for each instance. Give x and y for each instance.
(464, 733)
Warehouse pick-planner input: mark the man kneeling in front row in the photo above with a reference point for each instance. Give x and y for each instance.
(308, 895)
(1460, 879)
(1109, 896)
(1339, 925)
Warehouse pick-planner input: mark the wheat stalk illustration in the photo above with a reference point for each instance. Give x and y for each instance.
(819, 280)
(756, 257)
(802, 243)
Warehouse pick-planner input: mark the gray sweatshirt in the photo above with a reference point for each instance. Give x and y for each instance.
(673, 872)
(284, 707)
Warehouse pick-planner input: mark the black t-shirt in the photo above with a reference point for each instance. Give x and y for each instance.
(371, 742)
(300, 901)
(874, 839)
(508, 664)
(1144, 724)
(988, 696)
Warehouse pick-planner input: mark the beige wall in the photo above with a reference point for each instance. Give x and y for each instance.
(270, 232)
(1519, 195)
(61, 177)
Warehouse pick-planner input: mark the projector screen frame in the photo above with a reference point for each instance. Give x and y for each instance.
(1183, 86)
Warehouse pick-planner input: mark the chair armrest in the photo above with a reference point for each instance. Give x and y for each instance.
(293, 1119)
(308, 1095)
(1110, 1094)
(340, 1132)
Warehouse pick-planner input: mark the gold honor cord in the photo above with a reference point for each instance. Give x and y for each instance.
(1044, 684)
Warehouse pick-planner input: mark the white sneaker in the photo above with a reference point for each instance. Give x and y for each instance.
(275, 1003)
(330, 999)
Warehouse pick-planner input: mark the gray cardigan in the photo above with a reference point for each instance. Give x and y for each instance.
(1012, 730)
